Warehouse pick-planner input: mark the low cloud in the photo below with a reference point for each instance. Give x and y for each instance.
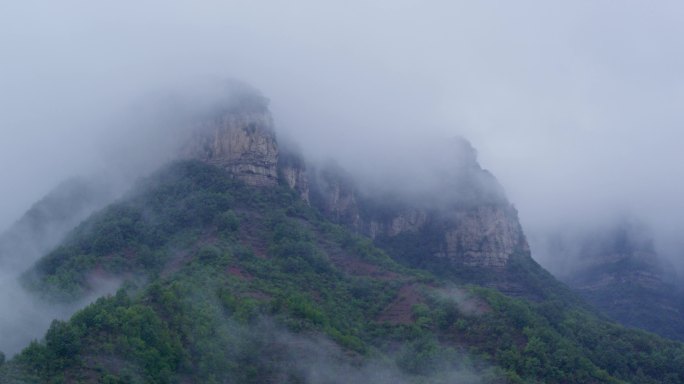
(577, 117)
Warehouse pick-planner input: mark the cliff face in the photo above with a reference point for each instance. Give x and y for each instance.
(483, 236)
(479, 236)
(464, 229)
(293, 172)
(334, 192)
(243, 143)
(470, 221)
(409, 220)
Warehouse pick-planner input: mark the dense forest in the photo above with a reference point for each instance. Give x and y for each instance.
(226, 283)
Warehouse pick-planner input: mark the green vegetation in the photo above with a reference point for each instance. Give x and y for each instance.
(231, 284)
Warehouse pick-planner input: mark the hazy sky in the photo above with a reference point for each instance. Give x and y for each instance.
(576, 106)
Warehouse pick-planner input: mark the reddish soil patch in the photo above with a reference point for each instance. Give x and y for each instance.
(236, 271)
(400, 311)
(352, 265)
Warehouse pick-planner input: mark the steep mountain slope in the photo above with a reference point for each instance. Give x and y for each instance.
(232, 283)
(243, 265)
(46, 223)
(42, 227)
(618, 270)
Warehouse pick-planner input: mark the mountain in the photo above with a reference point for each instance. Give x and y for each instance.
(241, 263)
(43, 227)
(47, 221)
(618, 270)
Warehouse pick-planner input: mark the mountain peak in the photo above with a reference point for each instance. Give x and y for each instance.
(240, 138)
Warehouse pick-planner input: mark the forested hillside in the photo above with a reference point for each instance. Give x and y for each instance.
(229, 283)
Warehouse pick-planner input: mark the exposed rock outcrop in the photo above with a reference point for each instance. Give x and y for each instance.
(243, 143)
(334, 192)
(293, 172)
(410, 220)
(483, 236)
(463, 208)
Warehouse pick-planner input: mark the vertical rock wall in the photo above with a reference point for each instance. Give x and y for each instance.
(243, 143)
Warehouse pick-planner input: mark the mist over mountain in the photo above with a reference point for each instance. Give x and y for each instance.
(561, 104)
(616, 266)
(238, 261)
(394, 150)
(43, 227)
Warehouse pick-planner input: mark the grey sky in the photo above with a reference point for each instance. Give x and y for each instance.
(576, 106)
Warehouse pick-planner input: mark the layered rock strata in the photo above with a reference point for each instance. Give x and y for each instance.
(243, 143)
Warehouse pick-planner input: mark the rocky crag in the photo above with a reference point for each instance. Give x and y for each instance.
(242, 142)
(477, 225)
(463, 221)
